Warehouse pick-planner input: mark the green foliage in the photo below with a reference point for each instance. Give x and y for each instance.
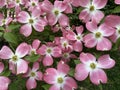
(32, 58)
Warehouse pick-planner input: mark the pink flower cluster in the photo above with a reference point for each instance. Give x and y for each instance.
(56, 55)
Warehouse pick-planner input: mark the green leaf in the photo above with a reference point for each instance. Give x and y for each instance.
(1, 28)
(5, 73)
(77, 61)
(72, 71)
(46, 86)
(116, 9)
(1, 34)
(32, 58)
(10, 37)
(13, 27)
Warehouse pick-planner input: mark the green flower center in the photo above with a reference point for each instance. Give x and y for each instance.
(98, 35)
(32, 74)
(92, 8)
(15, 58)
(65, 55)
(33, 4)
(17, 1)
(49, 50)
(78, 37)
(31, 21)
(56, 12)
(60, 80)
(93, 65)
(118, 31)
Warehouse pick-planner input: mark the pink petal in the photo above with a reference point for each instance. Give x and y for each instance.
(84, 3)
(89, 40)
(91, 26)
(60, 5)
(12, 66)
(114, 37)
(48, 60)
(42, 50)
(98, 76)
(68, 9)
(36, 44)
(112, 20)
(81, 73)
(6, 53)
(62, 67)
(23, 17)
(77, 46)
(100, 3)
(50, 75)
(56, 52)
(39, 75)
(2, 3)
(71, 35)
(54, 87)
(35, 66)
(84, 16)
(4, 82)
(22, 50)
(1, 67)
(76, 3)
(31, 83)
(70, 84)
(106, 62)
(99, 15)
(79, 29)
(86, 57)
(107, 30)
(117, 1)
(26, 30)
(52, 19)
(22, 66)
(63, 20)
(104, 44)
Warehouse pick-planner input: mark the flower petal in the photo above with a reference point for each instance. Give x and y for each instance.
(63, 20)
(26, 30)
(84, 3)
(31, 83)
(98, 76)
(104, 44)
(117, 1)
(106, 62)
(48, 60)
(54, 87)
(36, 44)
(23, 17)
(1, 67)
(50, 75)
(79, 29)
(81, 73)
(39, 75)
(22, 66)
(35, 66)
(100, 3)
(6, 53)
(89, 40)
(42, 50)
(22, 50)
(77, 46)
(56, 52)
(4, 82)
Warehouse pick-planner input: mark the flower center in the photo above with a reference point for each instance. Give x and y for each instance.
(65, 44)
(93, 65)
(49, 50)
(65, 55)
(32, 74)
(118, 31)
(92, 8)
(15, 58)
(17, 1)
(33, 52)
(31, 21)
(56, 12)
(3, 21)
(78, 37)
(98, 35)
(33, 4)
(60, 80)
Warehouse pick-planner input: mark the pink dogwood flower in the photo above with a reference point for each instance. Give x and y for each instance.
(34, 20)
(58, 78)
(98, 36)
(89, 66)
(91, 10)
(76, 38)
(114, 21)
(117, 1)
(33, 75)
(16, 64)
(48, 51)
(2, 3)
(55, 12)
(4, 81)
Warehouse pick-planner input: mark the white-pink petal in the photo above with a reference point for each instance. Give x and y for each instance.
(31, 83)
(1, 67)
(48, 60)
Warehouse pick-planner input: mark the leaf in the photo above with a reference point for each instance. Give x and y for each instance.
(1, 34)
(5, 73)
(77, 61)
(13, 26)
(1, 28)
(10, 37)
(116, 10)
(72, 71)
(46, 86)
(32, 58)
